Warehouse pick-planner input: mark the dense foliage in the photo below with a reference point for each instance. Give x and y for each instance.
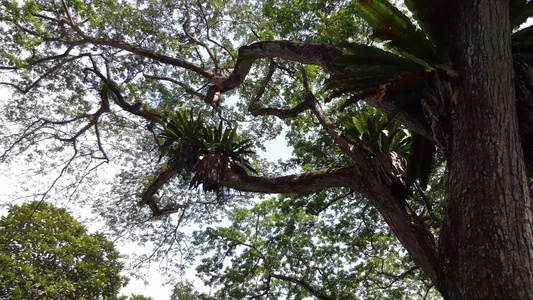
(46, 254)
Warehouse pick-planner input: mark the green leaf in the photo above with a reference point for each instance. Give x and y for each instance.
(520, 11)
(371, 56)
(54, 257)
(389, 24)
(422, 11)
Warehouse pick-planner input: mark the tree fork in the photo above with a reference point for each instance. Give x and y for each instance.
(486, 244)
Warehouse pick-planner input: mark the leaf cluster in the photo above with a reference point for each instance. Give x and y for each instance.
(374, 133)
(403, 64)
(278, 249)
(409, 50)
(45, 253)
(188, 141)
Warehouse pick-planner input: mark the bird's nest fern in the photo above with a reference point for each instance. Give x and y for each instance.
(191, 144)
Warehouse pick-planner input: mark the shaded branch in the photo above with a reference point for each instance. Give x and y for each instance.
(301, 183)
(349, 148)
(119, 99)
(148, 196)
(311, 102)
(261, 91)
(408, 227)
(306, 53)
(204, 45)
(281, 113)
(403, 221)
(313, 54)
(329, 203)
(397, 277)
(208, 29)
(41, 60)
(302, 284)
(189, 89)
(414, 120)
(304, 183)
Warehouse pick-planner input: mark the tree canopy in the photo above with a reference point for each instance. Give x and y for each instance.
(155, 113)
(46, 254)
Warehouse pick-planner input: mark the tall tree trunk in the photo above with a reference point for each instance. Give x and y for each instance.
(486, 244)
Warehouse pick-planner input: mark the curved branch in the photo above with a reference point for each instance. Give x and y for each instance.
(397, 277)
(157, 57)
(147, 197)
(410, 230)
(157, 184)
(343, 143)
(303, 284)
(306, 53)
(44, 59)
(208, 29)
(304, 183)
(408, 227)
(204, 45)
(104, 108)
(119, 100)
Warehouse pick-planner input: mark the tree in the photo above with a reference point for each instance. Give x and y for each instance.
(463, 90)
(46, 254)
(185, 291)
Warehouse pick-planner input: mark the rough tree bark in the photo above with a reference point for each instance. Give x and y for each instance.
(486, 243)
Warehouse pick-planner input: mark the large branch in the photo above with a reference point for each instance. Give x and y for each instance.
(157, 57)
(403, 221)
(313, 54)
(281, 113)
(408, 227)
(306, 53)
(304, 183)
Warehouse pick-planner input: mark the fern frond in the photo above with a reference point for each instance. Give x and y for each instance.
(389, 24)
(520, 11)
